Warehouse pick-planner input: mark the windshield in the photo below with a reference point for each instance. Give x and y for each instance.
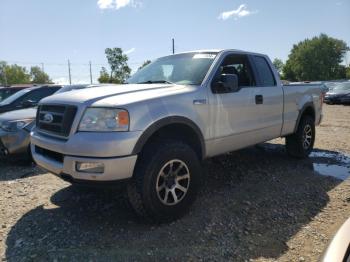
(5, 93)
(186, 69)
(12, 98)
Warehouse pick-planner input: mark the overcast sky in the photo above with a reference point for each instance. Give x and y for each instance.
(50, 32)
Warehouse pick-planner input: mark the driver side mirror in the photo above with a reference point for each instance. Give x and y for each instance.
(227, 83)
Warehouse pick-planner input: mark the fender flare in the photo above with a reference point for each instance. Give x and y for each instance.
(164, 122)
(302, 111)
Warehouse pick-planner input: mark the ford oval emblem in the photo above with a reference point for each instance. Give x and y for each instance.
(48, 118)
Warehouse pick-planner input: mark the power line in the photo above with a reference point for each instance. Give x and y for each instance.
(62, 64)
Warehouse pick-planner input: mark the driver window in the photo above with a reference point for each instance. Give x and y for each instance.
(240, 66)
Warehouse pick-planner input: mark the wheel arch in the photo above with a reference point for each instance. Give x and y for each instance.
(307, 109)
(185, 129)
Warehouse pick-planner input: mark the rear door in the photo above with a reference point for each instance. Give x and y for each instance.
(268, 96)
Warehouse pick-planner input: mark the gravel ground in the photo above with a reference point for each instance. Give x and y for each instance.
(256, 204)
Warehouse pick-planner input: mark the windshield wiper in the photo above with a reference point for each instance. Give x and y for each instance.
(157, 82)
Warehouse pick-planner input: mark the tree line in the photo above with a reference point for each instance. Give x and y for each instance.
(15, 74)
(316, 59)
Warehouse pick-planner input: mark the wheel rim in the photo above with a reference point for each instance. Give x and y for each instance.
(307, 137)
(173, 182)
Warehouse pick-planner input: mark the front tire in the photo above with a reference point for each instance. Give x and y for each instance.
(301, 143)
(165, 181)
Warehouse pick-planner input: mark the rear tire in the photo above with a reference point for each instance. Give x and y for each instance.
(301, 143)
(165, 182)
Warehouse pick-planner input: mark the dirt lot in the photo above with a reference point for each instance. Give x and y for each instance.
(256, 204)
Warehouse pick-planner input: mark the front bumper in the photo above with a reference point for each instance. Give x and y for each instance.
(61, 157)
(117, 168)
(14, 142)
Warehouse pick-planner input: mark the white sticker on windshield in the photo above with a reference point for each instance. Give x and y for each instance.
(208, 56)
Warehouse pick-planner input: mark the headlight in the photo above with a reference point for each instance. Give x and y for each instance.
(104, 120)
(15, 125)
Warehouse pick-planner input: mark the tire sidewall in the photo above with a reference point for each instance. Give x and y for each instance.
(306, 120)
(165, 153)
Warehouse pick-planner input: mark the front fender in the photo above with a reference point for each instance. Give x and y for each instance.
(164, 122)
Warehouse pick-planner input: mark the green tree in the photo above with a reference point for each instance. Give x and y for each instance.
(38, 76)
(348, 72)
(144, 64)
(104, 76)
(278, 63)
(117, 61)
(13, 74)
(318, 58)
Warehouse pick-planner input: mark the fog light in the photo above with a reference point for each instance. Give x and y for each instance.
(86, 167)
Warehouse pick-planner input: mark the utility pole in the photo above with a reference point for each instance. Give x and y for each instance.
(42, 67)
(90, 72)
(173, 41)
(70, 77)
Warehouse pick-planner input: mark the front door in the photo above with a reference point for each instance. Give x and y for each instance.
(242, 118)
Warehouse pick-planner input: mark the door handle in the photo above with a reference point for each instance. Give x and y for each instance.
(199, 101)
(259, 99)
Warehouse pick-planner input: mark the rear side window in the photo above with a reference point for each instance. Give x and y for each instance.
(264, 71)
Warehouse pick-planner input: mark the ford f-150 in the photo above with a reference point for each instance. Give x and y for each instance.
(154, 130)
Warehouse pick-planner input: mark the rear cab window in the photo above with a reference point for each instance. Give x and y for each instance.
(264, 71)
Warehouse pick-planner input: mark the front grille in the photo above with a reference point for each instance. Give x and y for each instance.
(56, 119)
(49, 154)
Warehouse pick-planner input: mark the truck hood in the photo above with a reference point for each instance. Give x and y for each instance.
(27, 113)
(113, 95)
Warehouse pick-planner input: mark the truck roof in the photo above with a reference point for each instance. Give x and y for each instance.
(221, 50)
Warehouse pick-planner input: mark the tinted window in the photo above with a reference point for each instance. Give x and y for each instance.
(264, 71)
(38, 94)
(5, 93)
(239, 65)
(15, 96)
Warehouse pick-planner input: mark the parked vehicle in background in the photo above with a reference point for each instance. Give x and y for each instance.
(339, 247)
(154, 131)
(15, 127)
(5, 92)
(27, 98)
(339, 94)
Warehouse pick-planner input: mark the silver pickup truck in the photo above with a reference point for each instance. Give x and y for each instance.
(153, 131)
